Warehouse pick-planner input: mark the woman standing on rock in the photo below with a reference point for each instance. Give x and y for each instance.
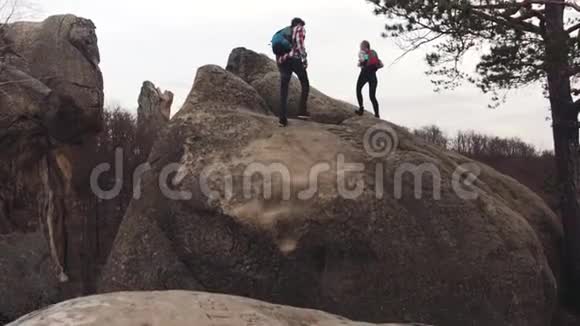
(369, 63)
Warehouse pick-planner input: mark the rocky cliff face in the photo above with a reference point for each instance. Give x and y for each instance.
(152, 115)
(346, 214)
(62, 52)
(180, 308)
(27, 275)
(262, 74)
(51, 102)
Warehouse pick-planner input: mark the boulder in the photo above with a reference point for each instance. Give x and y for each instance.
(566, 318)
(262, 73)
(154, 106)
(233, 204)
(62, 52)
(27, 279)
(179, 308)
(152, 115)
(51, 105)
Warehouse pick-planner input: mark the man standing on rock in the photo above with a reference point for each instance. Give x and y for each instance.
(294, 61)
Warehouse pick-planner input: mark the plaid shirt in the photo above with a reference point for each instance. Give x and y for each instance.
(298, 48)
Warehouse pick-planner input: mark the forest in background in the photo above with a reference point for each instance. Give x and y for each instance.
(511, 156)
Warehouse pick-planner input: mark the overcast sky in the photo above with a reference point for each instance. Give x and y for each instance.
(166, 41)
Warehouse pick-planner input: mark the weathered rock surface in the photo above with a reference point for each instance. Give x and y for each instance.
(179, 308)
(62, 52)
(27, 278)
(262, 73)
(377, 255)
(152, 114)
(51, 103)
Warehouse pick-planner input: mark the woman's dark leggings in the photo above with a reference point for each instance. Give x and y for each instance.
(368, 76)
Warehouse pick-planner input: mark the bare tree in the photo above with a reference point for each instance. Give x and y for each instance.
(11, 10)
(433, 135)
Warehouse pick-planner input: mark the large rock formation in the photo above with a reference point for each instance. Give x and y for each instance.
(179, 308)
(262, 74)
(282, 215)
(152, 115)
(62, 52)
(51, 102)
(26, 275)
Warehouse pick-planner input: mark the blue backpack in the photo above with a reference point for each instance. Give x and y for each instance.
(282, 41)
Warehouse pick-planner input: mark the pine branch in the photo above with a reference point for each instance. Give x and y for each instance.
(573, 28)
(570, 4)
(573, 71)
(424, 40)
(509, 21)
(508, 5)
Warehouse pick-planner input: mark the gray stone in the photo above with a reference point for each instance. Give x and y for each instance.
(153, 114)
(51, 105)
(262, 73)
(27, 278)
(379, 256)
(179, 308)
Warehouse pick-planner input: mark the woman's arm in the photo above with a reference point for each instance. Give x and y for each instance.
(362, 58)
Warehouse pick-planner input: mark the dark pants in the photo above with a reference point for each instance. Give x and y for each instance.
(293, 65)
(368, 76)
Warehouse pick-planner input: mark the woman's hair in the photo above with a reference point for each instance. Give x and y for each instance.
(298, 21)
(366, 44)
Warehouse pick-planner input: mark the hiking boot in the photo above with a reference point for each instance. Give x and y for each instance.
(360, 111)
(282, 123)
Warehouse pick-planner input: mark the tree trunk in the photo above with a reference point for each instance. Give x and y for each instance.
(565, 125)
